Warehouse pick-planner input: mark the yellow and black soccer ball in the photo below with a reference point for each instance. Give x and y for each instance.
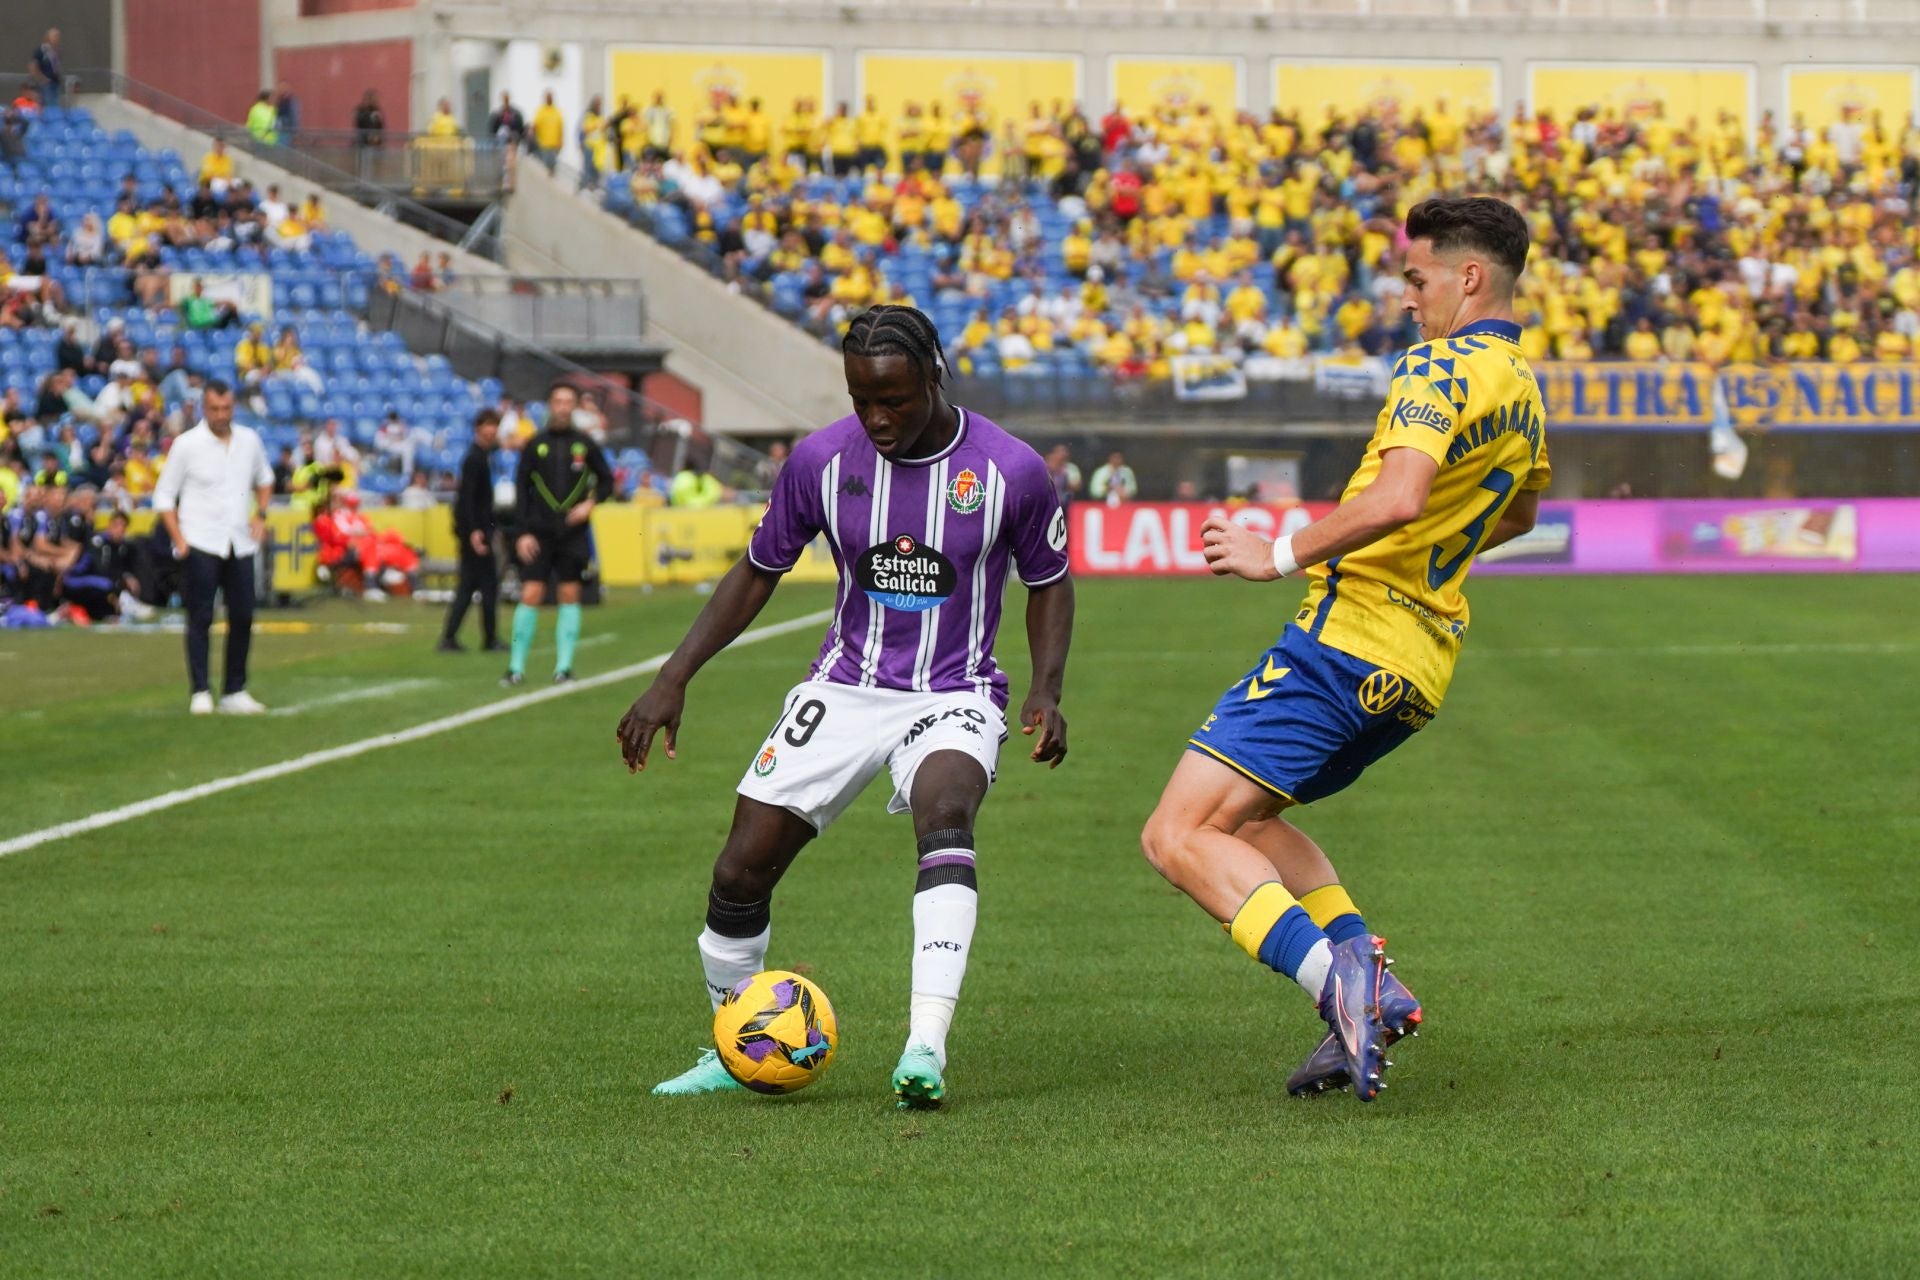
(775, 1032)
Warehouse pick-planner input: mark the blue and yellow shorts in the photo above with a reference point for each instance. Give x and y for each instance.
(1309, 719)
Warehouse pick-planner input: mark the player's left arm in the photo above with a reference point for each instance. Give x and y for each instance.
(1517, 519)
(1049, 633)
(1520, 514)
(1039, 536)
(1396, 498)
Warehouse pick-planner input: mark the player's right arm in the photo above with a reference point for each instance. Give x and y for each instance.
(1396, 497)
(1421, 418)
(735, 603)
(793, 517)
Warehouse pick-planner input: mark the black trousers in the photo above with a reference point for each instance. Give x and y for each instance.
(232, 577)
(478, 572)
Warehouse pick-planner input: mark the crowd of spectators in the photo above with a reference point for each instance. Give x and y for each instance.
(83, 446)
(1144, 235)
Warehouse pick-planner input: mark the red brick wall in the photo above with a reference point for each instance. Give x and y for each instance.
(206, 51)
(674, 394)
(329, 79)
(321, 8)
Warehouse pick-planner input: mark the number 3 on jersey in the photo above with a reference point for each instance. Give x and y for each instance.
(1500, 484)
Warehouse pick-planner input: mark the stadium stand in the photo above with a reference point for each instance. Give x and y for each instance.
(100, 226)
(1105, 248)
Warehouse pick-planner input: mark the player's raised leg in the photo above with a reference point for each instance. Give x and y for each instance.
(761, 846)
(947, 790)
(1193, 840)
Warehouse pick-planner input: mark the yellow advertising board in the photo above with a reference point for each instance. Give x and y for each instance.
(688, 546)
(1315, 89)
(994, 88)
(1163, 86)
(633, 545)
(1629, 91)
(693, 79)
(659, 545)
(1822, 94)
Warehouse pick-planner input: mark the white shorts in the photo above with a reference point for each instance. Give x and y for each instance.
(833, 738)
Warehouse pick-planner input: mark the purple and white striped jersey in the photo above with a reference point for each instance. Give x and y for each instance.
(922, 547)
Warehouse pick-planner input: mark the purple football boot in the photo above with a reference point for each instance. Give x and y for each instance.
(1326, 1067)
(1350, 1006)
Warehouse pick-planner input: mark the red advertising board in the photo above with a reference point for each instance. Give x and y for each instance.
(1137, 538)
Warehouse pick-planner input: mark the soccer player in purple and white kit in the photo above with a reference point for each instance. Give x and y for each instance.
(924, 506)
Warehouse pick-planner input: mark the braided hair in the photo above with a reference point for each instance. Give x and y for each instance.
(895, 330)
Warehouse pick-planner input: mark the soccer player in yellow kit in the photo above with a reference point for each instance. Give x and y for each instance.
(1456, 465)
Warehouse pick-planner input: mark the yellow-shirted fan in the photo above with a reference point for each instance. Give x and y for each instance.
(775, 1032)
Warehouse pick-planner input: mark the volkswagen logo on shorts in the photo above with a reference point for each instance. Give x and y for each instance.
(905, 574)
(1379, 692)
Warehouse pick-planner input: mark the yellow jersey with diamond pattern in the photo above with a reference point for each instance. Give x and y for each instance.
(1468, 401)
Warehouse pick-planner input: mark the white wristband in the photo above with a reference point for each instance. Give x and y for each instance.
(1283, 559)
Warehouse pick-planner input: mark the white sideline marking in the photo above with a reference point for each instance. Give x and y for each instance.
(362, 694)
(314, 759)
(1700, 650)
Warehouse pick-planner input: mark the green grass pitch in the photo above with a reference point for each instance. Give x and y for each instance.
(1651, 870)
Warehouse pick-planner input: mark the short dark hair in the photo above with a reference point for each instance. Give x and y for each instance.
(896, 330)
(217, 387)
(563, 384)
(1479, 223)
(486, 417)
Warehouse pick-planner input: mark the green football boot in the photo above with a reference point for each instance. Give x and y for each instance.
(704, 1076)
(917, 1081)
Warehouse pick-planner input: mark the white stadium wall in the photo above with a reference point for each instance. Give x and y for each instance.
(1246, 47)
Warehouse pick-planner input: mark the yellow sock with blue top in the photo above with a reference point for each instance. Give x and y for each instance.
(1274, 929)
(1335, 913)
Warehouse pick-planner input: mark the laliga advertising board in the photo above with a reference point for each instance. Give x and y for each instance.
(1164, 537)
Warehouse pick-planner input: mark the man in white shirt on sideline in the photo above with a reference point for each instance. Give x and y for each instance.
(212, 498)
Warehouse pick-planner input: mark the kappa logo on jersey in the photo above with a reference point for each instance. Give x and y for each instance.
(965, 493)
(1379, 692)
(765, 763)
(905, 575)
(854, 486)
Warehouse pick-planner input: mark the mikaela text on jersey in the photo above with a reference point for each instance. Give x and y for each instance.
(905, 574)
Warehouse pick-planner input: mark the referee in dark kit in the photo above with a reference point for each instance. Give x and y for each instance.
(473, 527)
(561, 478)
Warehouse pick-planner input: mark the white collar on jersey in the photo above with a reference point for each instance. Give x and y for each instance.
(959, 437)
